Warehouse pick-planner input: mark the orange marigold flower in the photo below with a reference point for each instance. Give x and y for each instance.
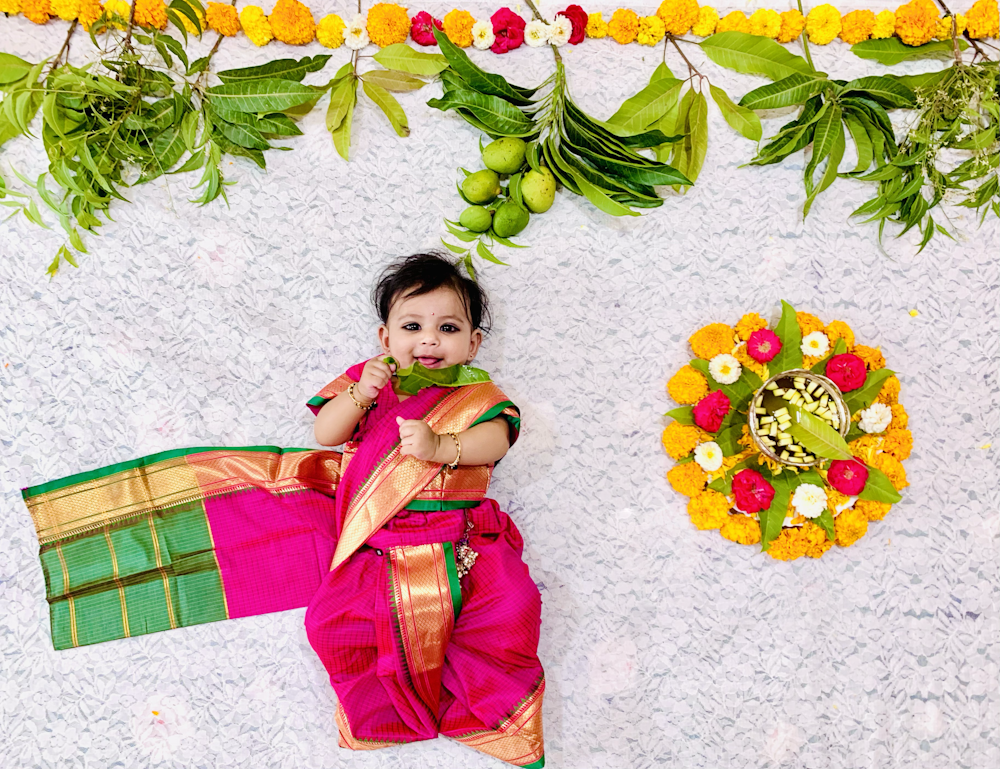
(728, 463)
(152, 14)
(916, 22)
(37, 11)
(834, 499)
(850, 526)
(765, 23)
(741, 529)
(597, 27)
(893, 469)
(624, 26)
(900, 419)
(222, 17)
(792, 24)
(678, 16)
(457, 26)
(837, 329)
(741, 354)
(872, 510)
(748, 324)
(714, 339)
(687, 479)
(983, 20)
(885, 25)
(817, 542)
(708, 20)
(808, 323)
(67, 10)
(292, 22)
(889, 393)
(688, 385)
(709, 509)
(736, 21)
(789, 545)
(680, 440)
(89, 11)
(865, 446)
(823, 24)
(872, 357)
(388, 24)
(256, 26)
(899, 443)
(857, 26)
(943, 31)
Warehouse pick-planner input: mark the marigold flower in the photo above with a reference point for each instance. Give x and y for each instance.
(857, 26)
(292, 22)
(10, 7)
(708, 509)
(457, 26)
(736, 21)
(741, 354)
(792, 24)
(889, 393)
(680, 440)
(678, 16)
(982, 20)
(388, 24)
(808, 323)
(872, 510)
(865, 446)
(330, 31)
(850, 526)
(885, 25)
(741, 529)
(597, 27)
(118, 8)
(789, 545)
(900, 419)
(837, 329)
(835, 500)
(898, 443)
(708, 20)
(688, 385)
(765, 23)
(37, 11)
(222, 18)
(817, 542)
(67, 10)
(152, 14)
(943, 31)
(823, 24)
(916, 22)
(89, 11)
(711, 340)
(893, 469)
(258, 28)
(651, 30)
(624, 26)
(687, 479)
(748, 324)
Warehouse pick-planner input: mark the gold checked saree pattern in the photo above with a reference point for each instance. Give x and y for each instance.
(366, 539)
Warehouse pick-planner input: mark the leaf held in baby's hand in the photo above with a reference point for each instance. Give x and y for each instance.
(416, 376)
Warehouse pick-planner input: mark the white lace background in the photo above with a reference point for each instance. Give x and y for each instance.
(662, 644)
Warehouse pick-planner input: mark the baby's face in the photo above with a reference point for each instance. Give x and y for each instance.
(433, 329)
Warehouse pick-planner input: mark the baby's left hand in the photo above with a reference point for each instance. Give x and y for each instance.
(417, 439)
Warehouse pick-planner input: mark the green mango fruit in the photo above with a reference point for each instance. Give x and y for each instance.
(510, 219)
(505, 156)
(538, 190)
(481, 187)
(476, 218)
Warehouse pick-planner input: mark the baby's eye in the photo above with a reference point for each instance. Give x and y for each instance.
(448, 328)
(412, 327)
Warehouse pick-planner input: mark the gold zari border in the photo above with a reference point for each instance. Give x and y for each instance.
(518, 740)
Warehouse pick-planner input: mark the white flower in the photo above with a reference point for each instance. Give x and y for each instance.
(816, 344)
(708, 455)
(875, 418)
(560, 31)
(356, 34)
(482, 35)
(809, 500)
(725, 369)
(536, 33)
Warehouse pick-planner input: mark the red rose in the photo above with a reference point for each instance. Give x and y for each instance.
(711, 410)
(763, 345)
(422, 28)
(848, 476)
(846, 371)
(752, 492)
(508, 27)
(578, 18)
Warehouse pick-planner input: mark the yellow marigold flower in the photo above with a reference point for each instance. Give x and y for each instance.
(152, 14)
(741, 529)
(388, 24)
(728, 463)
(67, 10)
(765, 23)
(741, 354)
(857, 26)
(256, 26)
(898, 443)
(120, 8)
(688, 385)
(714, 339)
(808, 323)
(709, 509)
(885, 25)
(789, 545)
(457, 26)
(222, 18)
(624, 26)
(872, 357)
(792, 24)
(873, 511)
(850, 526)
(651, 30)
(678, 15)
(817, 542)
(943, 31)
(900, 419)
(687, 479)
(983, 20)
(748, 324)
(680, 440)
(893, 469)
(834, 499)
(889, 393)
(736, 21)
(292, 22)
(37, 11)
(10, 7)
(89, 11)
(916, 22)
(708, 20)
(837, 329)
(597, 27)
(823, 24)
(330, 31)
(865, 446)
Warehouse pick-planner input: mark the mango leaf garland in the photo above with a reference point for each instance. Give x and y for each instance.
(892, 50)
(416, 376)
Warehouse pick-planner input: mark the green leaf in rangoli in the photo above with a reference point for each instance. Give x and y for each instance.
(342, 99)
(825, 522)
(260, 95)
(865, 395)
(886, 91)
(728, 438)
(742, 120)
(283, 69)
(399, 82)
(739, 392)
(892, 50)
(790, 334)
(12, 69)
(649, 105)
(476, 78)
(925, 81)
(388, 104)
(498, 114)
(830, 148)
(862, 142)
(816, 436)
(402, 58)
(753, 55)
(688, 155)
(771, 520)
(839, 347)
(416, 376)
(683, 415)
(878, 488)
(794, 89)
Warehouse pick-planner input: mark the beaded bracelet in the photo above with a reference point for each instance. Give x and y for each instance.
(458, 447)
(359, 404)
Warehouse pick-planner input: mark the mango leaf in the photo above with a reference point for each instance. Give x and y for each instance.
(753, 55)
(388, 104)
(496, 113)
(790, 334)
(878, 488)
(794, 89)
(342, 134)
(865, 395)
(886, 91)
(741, 119)
(825, 522)
(402, 58)
(416, 376)
(688, 155)
(728, 439)
(892, 50)
(772, 518)
(278, 124)
(282, 69)
(260, 95)
(829, 146)
(649, 105)
(393, 81)
(816, 436)
(341, 101)
(683, 415)
(862, 142)
(925, 81)
(12, 68)
(476, 78)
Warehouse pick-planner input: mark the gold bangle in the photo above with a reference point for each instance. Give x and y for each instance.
(458, 447)
(359, 404)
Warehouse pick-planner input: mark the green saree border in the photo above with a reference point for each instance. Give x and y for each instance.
(535, 764)
(455, 587)
(494, 412)
(438, 505)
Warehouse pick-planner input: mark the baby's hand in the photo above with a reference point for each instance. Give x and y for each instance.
(417, 439)
(375, 375)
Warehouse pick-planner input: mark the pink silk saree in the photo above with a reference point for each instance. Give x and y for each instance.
(364, 539)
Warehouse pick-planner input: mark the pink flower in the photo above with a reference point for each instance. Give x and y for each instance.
(753, 493)
(578, 18)
(848, 476)
(711, 410)
(422, 28)
(846, 371)
(508, 27)
(763, 345)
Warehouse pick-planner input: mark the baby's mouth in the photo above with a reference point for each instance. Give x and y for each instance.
(428, 361)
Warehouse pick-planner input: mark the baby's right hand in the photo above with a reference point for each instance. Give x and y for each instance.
(375, 375)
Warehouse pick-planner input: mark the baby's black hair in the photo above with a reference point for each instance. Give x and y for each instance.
(422, 273)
